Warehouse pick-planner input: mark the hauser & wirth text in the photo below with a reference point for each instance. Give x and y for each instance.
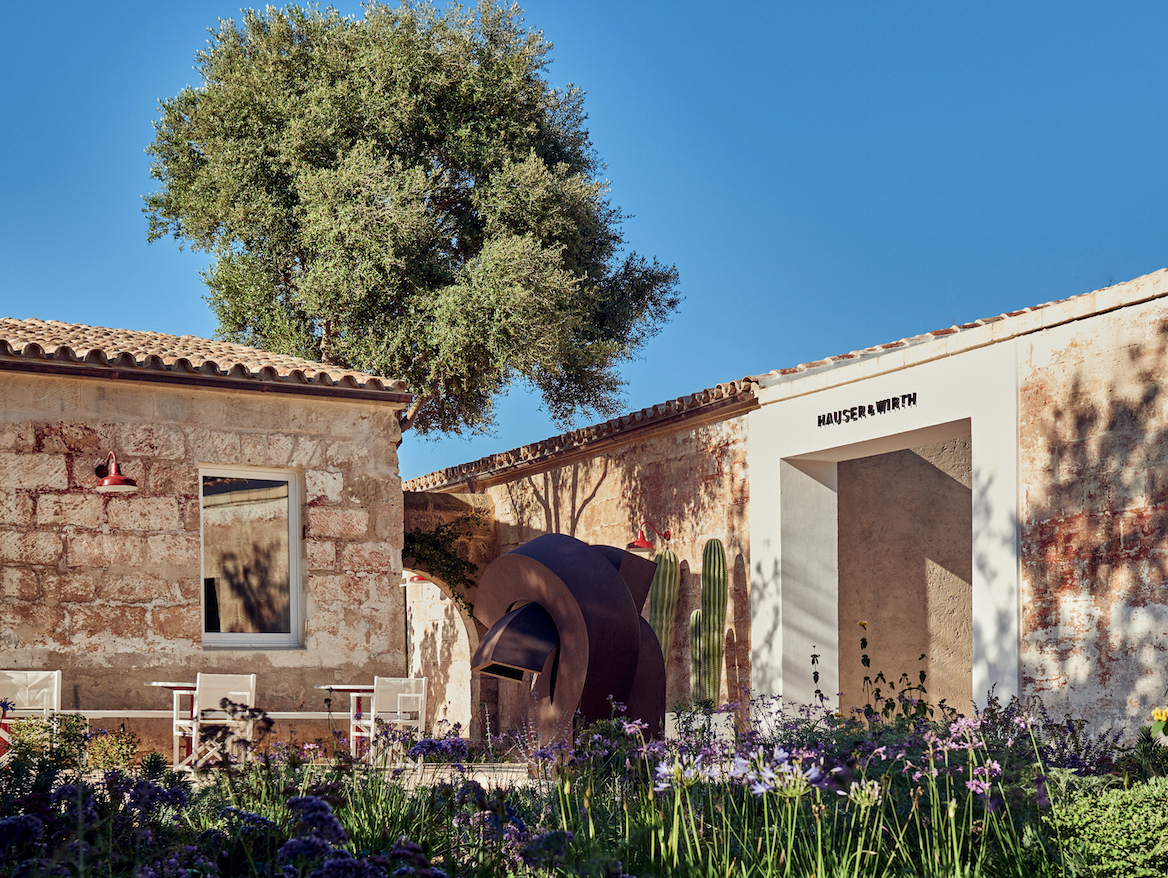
(868, 410)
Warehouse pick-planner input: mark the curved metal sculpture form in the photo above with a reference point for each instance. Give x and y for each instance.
(571, 614)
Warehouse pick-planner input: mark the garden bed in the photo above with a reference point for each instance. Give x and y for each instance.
(1009, 792)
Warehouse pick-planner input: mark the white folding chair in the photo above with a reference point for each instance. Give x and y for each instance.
(399, 702)
(191, 741)
(27, 691)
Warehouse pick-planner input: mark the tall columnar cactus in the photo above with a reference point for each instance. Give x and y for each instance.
(714, 595)
(695, 654)
(707, 626)
(663, 600)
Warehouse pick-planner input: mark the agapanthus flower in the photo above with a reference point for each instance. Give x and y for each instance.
(863, 794)
(682, 772)
(774, 771)
(634, 727)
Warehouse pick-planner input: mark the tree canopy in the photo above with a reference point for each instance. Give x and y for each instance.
(407, 195)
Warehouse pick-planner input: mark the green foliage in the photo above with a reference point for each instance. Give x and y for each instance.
(60, 737)
(156, 767)
(407, 195)
(709, 626)
(884, 699)
(109, 750)
(437, 551)
(1145, 758)
(663, 600)
(1122, 833)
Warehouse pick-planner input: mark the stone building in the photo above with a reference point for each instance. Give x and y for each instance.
(680, 466)
(992, 496)
(265, 534)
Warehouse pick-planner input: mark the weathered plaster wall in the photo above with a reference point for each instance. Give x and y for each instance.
(1094, 473)
(442, 637)
(439, 650)
(905, 566)
(691, 481)
(107, 587)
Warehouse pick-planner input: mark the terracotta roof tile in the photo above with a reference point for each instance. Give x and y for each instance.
(741, 392)
(154, 352)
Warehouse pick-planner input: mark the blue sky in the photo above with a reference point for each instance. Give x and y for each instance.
(825, 176)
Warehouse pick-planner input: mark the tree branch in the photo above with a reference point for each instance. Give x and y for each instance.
(406, 419)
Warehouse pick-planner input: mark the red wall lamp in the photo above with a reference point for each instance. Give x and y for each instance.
(642, 543)
(111, 479)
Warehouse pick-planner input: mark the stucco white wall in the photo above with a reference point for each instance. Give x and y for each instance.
(794, 579)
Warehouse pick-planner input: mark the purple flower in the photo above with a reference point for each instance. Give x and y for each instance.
(981, 787)
(316, 816)
(634, 727)
(308, 848)
(345, 866)
(21, 829)
(76, 803)
(410, 859)
(547, 850)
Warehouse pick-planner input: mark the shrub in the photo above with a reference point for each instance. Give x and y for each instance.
(1121, 833)
(110, 750)
(60, 737)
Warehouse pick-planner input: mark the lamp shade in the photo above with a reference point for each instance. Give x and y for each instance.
(111, 479)
(642, 543)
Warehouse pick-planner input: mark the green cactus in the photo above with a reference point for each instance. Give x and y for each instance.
(663, 600)
(707, 626)
(695, 654)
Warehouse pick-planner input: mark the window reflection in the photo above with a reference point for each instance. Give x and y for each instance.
(245, 555)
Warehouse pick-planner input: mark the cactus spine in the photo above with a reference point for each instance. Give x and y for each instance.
(663, 600)
(708, 626)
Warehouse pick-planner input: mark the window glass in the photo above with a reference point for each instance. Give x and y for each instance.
(250, 587)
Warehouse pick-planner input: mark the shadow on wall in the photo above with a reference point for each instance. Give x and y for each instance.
(1093, 538)
(436, 654)
(446, 639)
(693, 475)
(554, 501)
(905, 568)
(766, 628)
(691, 482)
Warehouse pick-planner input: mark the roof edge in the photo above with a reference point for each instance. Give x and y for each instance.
(210, 376)
(715, 403)
(848, 368)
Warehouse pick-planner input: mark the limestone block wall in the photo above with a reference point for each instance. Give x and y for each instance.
(691, 480)
(1093, 414)
(107, 587)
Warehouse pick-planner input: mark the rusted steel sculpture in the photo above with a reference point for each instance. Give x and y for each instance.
(570, 613)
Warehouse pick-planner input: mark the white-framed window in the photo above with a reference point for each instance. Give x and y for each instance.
(252, 594)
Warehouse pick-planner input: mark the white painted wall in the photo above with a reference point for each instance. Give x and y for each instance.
(794, 583)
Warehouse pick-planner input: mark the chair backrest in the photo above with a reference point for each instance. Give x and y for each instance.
(32, 690)
(211, 689)
(400, 695)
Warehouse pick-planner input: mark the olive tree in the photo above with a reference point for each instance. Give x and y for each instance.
(406, 194)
